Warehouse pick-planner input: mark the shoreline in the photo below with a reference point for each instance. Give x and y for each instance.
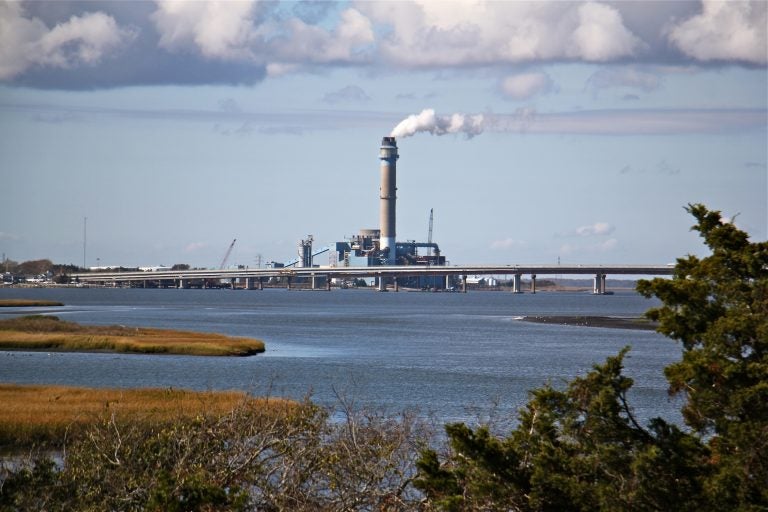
(636, 323)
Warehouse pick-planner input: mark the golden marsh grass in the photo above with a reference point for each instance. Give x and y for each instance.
(45, 415)
(49, 333)
(21, 303)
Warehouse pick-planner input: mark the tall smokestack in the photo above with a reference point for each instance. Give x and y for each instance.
(388, 156)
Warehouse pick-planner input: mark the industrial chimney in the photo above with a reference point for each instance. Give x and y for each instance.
(388, 156)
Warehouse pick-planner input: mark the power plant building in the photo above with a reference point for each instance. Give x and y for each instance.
(379, 247)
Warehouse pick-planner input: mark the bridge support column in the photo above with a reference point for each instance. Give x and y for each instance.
(533, 283)
(517, 283)
(463, 284)
(382, 284)
(261, 283)
(288, 280)
(328, 282)
(447, 282)
(397, 285)
(598, 287)
(313, 281)
(183, 283)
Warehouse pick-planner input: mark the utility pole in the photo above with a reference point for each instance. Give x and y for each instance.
(85, 233)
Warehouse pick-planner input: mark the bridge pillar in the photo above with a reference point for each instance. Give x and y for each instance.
(533, 283)
(517, 283)
(447, 282)
(182, 283)
(288, 280)
(261, 283)
(463, 284)
(328, 282)
(397, 285)
(382, 284)
(313, 281)
(598, 287)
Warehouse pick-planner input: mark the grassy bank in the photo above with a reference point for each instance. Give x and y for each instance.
(26, 303)
(45, 415)
(49, 333)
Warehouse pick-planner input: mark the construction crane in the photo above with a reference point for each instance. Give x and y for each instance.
(429, 236)
(226, 256)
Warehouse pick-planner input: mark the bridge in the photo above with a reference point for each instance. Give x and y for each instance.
(386, 275)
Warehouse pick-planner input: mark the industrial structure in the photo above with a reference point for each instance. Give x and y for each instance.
(379, 247)
(372, 253)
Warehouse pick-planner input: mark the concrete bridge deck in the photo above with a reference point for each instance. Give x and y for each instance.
(382, 273)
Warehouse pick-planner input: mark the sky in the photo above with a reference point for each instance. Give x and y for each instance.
(537, 131)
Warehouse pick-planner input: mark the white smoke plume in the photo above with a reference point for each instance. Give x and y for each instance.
(427, 121)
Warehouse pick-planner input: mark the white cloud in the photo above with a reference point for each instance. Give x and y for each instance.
(732, 30)
(313, 44)
(240, 31)
(425, 33)
(601, 35)
(81, 40)
(223, 30)
(596, 229)
(526, 85)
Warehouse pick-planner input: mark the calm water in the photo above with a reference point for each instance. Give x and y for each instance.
(456, 356)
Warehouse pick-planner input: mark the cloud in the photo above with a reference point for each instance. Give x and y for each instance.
(80, 41)
(215, 29)
(350, 93)
(244, 31)
(58, 45)
(596, 229)
(526, 85)
(725, 31)
(434, 34)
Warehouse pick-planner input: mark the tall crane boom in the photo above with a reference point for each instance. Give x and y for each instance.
(226, 256)
(429, 236)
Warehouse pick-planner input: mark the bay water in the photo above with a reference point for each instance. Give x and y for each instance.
(452, 356)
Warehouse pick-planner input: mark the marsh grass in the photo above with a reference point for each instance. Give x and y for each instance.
(47, 415)
(21, 303)
(39, 332)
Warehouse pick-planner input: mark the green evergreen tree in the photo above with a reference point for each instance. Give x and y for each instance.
(582, 449)
(717, 307)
